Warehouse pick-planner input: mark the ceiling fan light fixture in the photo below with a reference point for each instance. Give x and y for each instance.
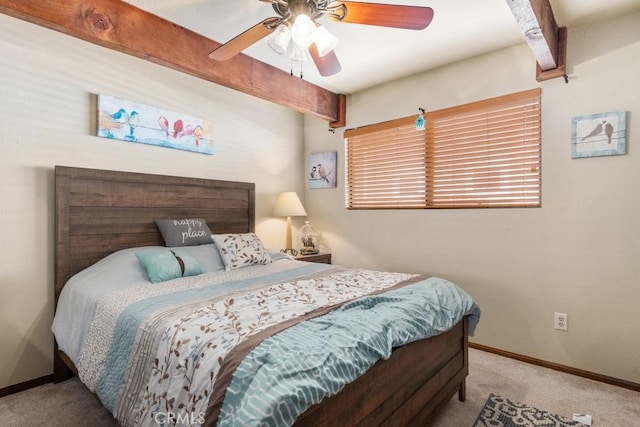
(299, 53)
(279, 39)
(303, 31)
(325, 41)
(297, 20)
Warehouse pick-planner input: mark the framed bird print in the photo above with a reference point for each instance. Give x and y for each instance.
(134, 122)
(601, 134)
(322, 172)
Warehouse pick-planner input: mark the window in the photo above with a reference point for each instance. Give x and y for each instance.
(478, 155)
(386, 166)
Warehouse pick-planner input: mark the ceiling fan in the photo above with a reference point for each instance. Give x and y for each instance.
(296, 31)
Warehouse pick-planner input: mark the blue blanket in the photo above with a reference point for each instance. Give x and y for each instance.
(300, 366)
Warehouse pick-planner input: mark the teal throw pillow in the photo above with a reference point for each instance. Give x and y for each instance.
(166, 264)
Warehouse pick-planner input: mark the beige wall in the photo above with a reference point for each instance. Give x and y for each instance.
(578, 254)
(46, 86)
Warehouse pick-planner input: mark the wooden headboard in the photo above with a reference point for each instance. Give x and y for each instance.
(98, 212)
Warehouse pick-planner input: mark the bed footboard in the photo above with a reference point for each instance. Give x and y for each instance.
(405, 390)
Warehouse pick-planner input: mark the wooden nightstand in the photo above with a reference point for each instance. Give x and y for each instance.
(322, 258)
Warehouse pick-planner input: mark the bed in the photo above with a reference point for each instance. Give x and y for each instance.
(100, 213)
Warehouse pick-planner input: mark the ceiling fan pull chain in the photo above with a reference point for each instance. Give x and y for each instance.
(291, 70)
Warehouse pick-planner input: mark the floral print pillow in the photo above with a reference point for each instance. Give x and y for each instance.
(240, 250)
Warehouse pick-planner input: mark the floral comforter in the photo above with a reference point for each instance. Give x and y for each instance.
(165, 355)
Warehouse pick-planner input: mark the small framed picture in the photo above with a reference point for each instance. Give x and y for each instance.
(601, 134)
(322, 171)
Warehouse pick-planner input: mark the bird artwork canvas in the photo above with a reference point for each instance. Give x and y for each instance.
(322, 171)
(134, 122)
(601, 134)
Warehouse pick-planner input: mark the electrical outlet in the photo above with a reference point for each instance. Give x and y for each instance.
(561, 321)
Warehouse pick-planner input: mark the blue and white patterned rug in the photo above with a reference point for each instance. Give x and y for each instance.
(501, 412)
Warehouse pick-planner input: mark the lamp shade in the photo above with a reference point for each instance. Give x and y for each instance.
(325, 41)
(303, 30)
(299, 53)
(288, 204)
(279, 39)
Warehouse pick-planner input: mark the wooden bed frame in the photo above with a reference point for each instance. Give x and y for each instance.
(98, 212)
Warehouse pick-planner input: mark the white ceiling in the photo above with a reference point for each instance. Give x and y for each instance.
(373, 55)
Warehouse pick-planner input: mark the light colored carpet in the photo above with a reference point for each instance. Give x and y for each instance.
(546, 389)
(71, 404)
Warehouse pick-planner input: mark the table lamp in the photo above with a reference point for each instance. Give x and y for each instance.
(288, 204)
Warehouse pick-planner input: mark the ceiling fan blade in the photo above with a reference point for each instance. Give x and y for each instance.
(327, 65)
(244, 40)
(383, 15)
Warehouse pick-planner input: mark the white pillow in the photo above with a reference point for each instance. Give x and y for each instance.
(240, 250)
(208, 256)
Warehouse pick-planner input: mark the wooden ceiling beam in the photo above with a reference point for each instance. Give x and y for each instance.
(120, 26)
(548, 42)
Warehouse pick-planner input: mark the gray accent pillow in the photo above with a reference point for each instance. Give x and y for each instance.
(184, 232)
